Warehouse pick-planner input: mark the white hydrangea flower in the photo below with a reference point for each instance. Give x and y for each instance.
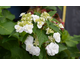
(35, 17)
(40, 24)
(29, 47)
(52, 49)
(18, 28)
(29, 39)
(21, 14)
(61, 26)
(56, 36)
(35, 51)
(28, 28)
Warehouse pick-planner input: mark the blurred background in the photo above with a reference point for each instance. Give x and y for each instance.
(72, 19)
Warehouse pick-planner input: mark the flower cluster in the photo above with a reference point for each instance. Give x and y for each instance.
(34, 50)
(32, 44)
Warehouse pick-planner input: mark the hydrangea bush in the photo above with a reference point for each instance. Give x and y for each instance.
(37, 36)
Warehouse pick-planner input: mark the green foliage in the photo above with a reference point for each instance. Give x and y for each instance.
(14, 48)
(51, 13)
(12, 43)
(52, 26)
(74, 52)
(36, 13)
(67, 39)
(52, 7)
(8, 15)
(6, 28)
(62, 47)
(60, 7)
(49, 7)
(42, 37)
(76, 38)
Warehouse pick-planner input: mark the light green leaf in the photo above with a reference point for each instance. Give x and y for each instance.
(6, 28)
(51, 13)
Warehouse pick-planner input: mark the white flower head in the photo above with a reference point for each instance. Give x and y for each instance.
(29, 40)
(56, 36)
(28, 28)
(52, 49)
(21, 14)
(40, 24)
(61, 26)
(29, 46)
(18, 28)
(35, 51)
(35, 17)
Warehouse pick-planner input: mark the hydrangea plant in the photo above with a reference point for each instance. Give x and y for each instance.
(37, 36)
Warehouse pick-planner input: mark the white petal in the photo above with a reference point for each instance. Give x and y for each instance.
(56, 36)
(52, 49)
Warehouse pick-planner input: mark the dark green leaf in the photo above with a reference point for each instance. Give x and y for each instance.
(76, 38)
(60, 7)
(8, 15)
(16, 51)
(55, 20)
(61, 47)
(36, 13)
(49, 7)
(43, 54)
(52, 26)
(71, 43)
(51, 13)
(42, 37)
(14, 31)
(74, 52)
(24, 38)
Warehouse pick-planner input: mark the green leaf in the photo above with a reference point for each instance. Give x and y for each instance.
(52, 26)
(5, 7)
(50, 7)
(36, 13)
(71, 43)
(74, 52)
(2, 19)
(4, 54)
(62, 47)
(43, 53)
(24, 38)
(16, 51)
(14, 31)
(42, 37)
(6, 28)
(76, 38)
(55, 20)
(51, 13)
(60, 7)
(8, 15)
